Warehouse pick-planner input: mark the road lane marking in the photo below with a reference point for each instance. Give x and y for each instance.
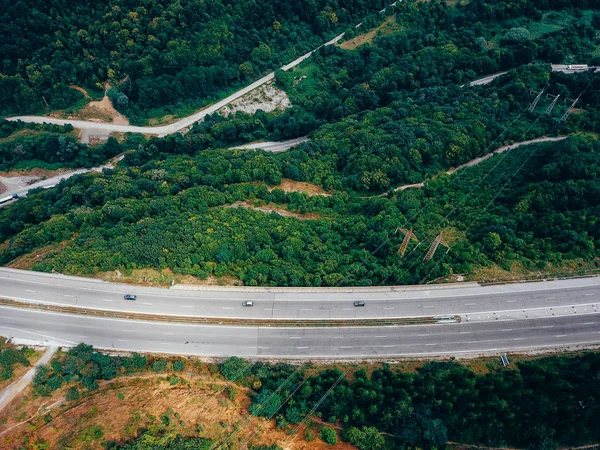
(106, 300)
(169, 334)
(379, 336)
(470, 304)
(266, 309)
(306, 309)
(430, 344)
(429, 306)
(549, 298)
(337, 337)
(301, 347)
(510, 301)
(29, 290)
(548, 326)
(347, 309)
(187, 306)
(387, 346)
(225, 307)
(122, 340)
(295, 337)
(518, 339)
(390, 307)
(588, 295)
(149, 304)
(588, 323)
(422, 334)
(67, 295)
(560, 335)
(508, 329)
(465, 332)
(345, 346)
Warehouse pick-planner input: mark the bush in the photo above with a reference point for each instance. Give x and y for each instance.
(159, 365)
(234, 368)
(329, 436)
(178, 366)
(72, 394)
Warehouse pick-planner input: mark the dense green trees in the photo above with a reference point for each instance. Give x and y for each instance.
(167, 53)
(171, 214)
(84, 366)
(25, 146)
(9, 357)
(553, 401)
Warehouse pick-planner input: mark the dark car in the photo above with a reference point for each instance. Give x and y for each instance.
(248, 303)
(130, 297)
(359, 303)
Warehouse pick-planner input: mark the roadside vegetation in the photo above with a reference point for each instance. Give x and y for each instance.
(134, 402)
(12, 358)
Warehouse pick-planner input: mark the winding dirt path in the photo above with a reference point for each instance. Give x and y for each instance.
(476, 161)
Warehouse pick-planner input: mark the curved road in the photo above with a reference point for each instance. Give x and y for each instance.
(551, 314)
(180, 124)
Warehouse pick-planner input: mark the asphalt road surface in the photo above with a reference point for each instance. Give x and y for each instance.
(35, 327)
(471, 301)
(180, 124)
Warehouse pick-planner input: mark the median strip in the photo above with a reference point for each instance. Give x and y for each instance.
(232, 322)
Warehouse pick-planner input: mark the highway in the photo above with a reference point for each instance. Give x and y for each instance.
(513, 317)
(469, 300)
(34, 327)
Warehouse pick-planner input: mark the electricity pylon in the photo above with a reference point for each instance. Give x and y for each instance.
(408, 236)
(551, 106)
(439, 239)
(565, 116)
(535, 102)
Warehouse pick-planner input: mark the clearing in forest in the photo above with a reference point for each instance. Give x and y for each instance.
(288, 185)
(191, 403)
(389, 26)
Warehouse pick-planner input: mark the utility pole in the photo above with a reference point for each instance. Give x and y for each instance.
(408, 236)
(436, 242)
(535, 102)
(551, 107)
(568, 111)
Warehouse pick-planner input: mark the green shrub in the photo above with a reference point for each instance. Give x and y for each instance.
(328, 435)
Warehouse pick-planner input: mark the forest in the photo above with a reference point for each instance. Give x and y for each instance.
(392, 112)
(160, 56)
(548, 402)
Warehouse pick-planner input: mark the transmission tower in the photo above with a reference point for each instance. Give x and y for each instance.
(439, 239)
(565, 116)
(535, 102)
(408, 236)
(551, 106)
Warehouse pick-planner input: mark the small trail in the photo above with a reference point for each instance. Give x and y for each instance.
(476, 161)
(15, 388)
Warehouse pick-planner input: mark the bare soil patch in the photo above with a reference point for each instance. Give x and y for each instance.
(196, 405)
(288, 185)
(389, 26)
(518, 271)
(3, 187)
(27, 261)
(153, 277)
(267, 97)
(80, 89)
(272, 208)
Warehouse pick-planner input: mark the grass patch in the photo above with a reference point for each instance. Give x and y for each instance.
(389, 26)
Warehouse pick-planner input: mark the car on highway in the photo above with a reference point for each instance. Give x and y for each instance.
(248, 303)
(359, 303)
(130, 297)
